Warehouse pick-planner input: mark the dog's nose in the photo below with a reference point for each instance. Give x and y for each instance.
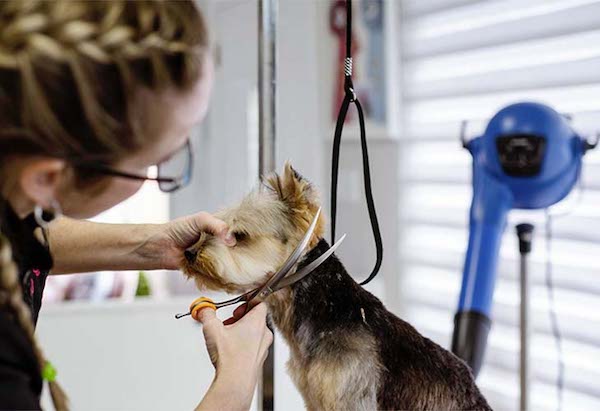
(190, 255)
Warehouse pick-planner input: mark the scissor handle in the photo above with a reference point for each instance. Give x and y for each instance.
(199, 304)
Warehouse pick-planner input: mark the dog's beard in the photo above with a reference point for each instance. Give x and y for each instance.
(237, 270)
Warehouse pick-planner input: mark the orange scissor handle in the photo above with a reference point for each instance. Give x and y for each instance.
(199, 304)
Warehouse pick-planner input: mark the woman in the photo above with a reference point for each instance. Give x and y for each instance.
(91, 95)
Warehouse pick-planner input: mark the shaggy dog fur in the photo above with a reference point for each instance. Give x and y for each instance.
(347, 351)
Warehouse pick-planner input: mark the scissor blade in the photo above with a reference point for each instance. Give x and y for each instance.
(232, 301)
(297, 253)
(300, 274)
(291, 260)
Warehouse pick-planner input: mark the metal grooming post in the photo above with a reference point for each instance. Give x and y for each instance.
(525, 234)
(267, 121)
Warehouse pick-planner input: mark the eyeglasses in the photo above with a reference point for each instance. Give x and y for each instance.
(171, 174)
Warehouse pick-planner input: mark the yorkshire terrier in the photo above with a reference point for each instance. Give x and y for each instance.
(347, 352)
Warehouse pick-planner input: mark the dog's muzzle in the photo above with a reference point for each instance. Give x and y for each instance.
(190, 255)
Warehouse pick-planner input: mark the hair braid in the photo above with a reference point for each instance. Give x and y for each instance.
(78, 62)
(11, 296)
(157, 27)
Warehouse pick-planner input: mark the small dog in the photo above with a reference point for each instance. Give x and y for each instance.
(347, 351)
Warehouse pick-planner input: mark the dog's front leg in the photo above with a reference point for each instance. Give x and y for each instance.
(338, 378)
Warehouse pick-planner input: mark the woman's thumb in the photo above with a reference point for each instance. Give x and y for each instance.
(219, 229)
(205, 315)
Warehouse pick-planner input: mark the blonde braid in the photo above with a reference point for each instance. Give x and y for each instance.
(155, 43)
(11, 296)
(56, 28)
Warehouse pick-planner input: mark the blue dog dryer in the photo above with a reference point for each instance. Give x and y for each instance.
(528, 158)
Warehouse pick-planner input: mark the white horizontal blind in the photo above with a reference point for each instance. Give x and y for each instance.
(464, 60)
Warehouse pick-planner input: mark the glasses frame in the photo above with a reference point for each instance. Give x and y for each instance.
(178, 182)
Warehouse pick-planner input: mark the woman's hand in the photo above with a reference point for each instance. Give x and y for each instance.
(83, 246)
(237, 349)
(170, 240)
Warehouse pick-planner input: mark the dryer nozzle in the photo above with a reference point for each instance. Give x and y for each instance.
(470, 338)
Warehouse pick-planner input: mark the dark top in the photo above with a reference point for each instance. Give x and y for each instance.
(20, 379)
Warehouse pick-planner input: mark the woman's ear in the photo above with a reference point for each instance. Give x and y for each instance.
(40, 179)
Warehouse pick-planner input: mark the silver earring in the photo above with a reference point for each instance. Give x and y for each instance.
(38, 213)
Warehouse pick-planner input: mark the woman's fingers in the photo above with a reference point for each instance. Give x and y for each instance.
(265, 344)
(185, 231)
(216, 227)
(258, 315)
(268, 337)
(212, 328)
(240, 311)
(206, 315)
(241, 347)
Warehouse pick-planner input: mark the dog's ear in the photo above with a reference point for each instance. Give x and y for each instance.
(293, 189)
(300, 198)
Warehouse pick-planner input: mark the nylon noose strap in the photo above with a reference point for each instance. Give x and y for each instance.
(350, 97)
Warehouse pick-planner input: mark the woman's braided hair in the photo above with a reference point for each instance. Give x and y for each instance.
(68, 71)
(11, 296)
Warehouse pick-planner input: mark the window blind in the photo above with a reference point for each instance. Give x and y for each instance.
(464, 60)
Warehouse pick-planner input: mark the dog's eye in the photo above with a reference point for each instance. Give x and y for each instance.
(239, 236)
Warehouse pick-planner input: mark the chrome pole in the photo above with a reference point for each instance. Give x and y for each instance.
(525, 233)
(267, 83)
(267, 131)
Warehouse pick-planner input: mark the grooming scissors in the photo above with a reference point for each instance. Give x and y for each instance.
(276, 282)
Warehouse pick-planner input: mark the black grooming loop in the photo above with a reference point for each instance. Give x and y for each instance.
(350, 97)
